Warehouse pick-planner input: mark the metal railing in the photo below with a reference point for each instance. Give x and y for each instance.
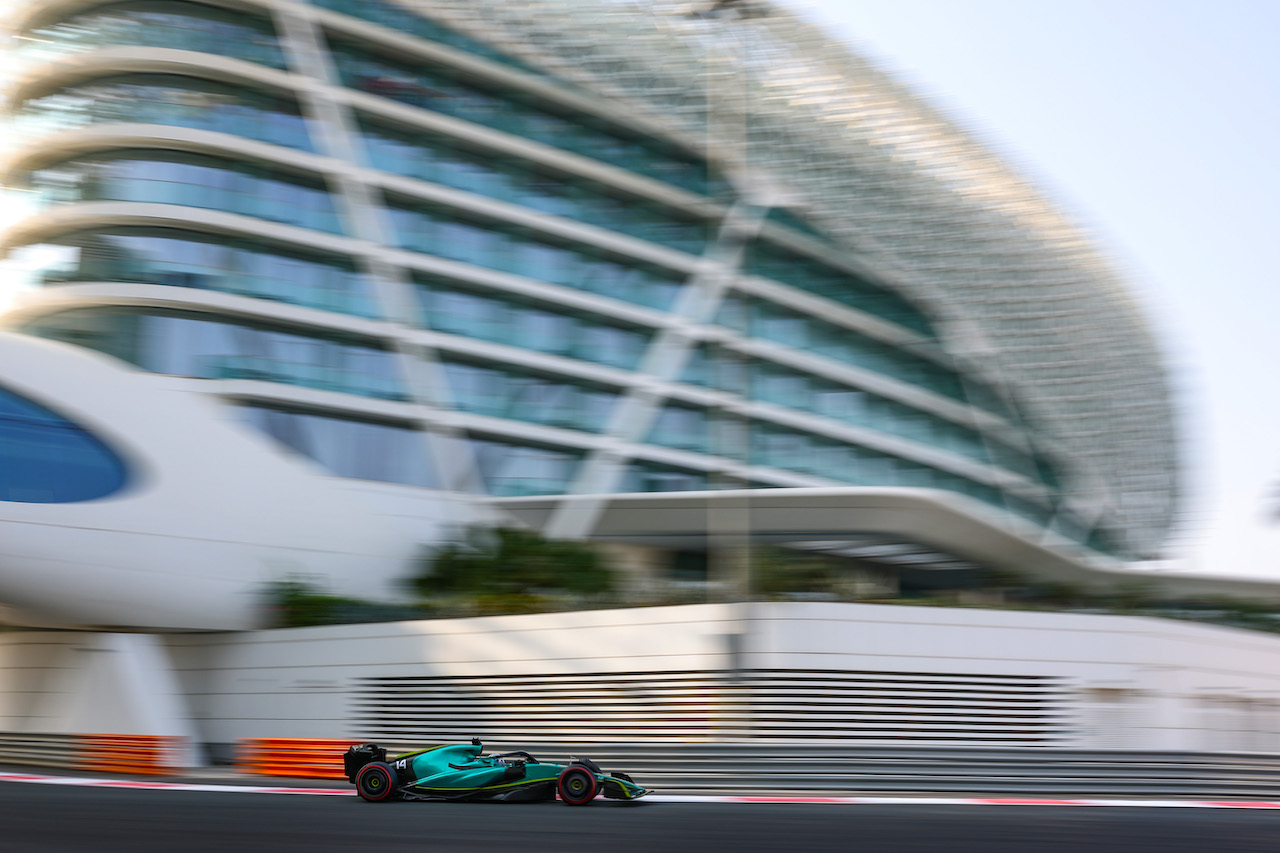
(37, 750)
(138, 755)
(839, 770)
(760, 768)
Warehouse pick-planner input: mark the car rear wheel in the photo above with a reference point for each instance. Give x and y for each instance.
(577, 786)
(375, 782)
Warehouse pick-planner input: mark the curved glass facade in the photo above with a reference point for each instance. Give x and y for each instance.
(45, 458)
(505, 247)
(399, 19)
(503, 391)
(446, 91)
(183, 258)
(694, 349)
(541, 327)
(194, 180)
(805, 273)
(167, 99)
(759, 318)
(418, 155)
(162, 23)
(362, 450)
(214, 348)
(510, 469)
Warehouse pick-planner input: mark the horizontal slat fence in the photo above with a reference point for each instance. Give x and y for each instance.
(136, 755)
(38, 750)
(756, 705)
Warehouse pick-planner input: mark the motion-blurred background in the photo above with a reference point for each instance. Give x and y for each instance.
(638, 373)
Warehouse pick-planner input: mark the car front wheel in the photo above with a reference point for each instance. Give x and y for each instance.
(577, 786)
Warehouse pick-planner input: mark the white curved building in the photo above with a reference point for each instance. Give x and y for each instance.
(481, 260)
(125, 525)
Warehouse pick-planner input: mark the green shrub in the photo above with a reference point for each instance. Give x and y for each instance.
(298, 604)
(496, 562)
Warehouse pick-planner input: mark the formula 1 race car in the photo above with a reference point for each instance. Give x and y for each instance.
(464, 772)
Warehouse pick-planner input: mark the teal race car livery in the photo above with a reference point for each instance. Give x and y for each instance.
(464, 772)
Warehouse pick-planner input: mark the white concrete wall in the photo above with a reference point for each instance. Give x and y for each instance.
(298, 682)
(1137, 683)
(1120, 682)
(1133, 683)
(80, 682)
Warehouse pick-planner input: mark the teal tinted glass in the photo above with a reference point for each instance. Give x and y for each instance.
(494, 245)
(797, 270)
(511, 470)
(185, 344)
(443, 90)
(402, 20)
(161, 23)
(652, 477)
(345, 447)
(192, 180)
(442, 161)
(794, 329)
(178, 258)
(507, 319)
(168, 99)
(501, 391)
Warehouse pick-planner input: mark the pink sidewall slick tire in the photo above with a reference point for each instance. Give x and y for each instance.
(376, 782)
(577, 786)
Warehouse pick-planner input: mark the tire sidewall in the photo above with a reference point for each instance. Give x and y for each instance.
(571, 772)
(385, 789)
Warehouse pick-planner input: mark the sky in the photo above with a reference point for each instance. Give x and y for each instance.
(1155, 124)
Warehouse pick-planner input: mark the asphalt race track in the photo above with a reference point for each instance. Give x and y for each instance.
(54, 819)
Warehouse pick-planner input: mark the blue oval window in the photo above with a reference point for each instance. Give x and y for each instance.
(45, 458)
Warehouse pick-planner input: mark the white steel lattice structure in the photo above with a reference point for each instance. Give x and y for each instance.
(480, 259)
(1023, 294)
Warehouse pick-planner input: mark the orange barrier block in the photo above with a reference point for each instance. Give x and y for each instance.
(309, 758)
(144, 755)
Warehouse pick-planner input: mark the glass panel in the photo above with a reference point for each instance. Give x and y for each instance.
(45, 458)
(495, 316)
(423, 155)
(800, 331)
(511, 470)
(504, 392)
(402, 20)
(437, 231)
(682, 428)
(168, 100)
(433, 88)
(189, 259)
(159, 23)
(349, 448)
(188, 345)
(773, 383)
(800, 271)
(188, 179)
(651, 477)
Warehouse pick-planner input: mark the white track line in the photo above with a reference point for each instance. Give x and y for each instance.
(36, 779)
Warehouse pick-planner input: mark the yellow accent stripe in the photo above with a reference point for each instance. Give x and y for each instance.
(419, 752)
(621, 784)
(486, 787)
